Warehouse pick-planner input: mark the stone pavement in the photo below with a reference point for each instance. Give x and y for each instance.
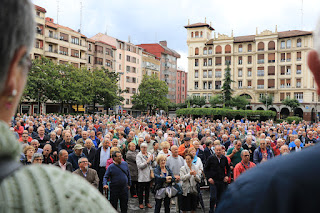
(133, 205)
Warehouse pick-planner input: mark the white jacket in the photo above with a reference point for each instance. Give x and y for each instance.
(144, 168)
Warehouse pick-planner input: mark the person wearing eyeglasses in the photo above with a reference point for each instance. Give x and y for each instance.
(89, 174)
(244, 165)
(262, 153)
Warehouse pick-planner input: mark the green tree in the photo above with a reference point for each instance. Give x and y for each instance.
(240, 102)
(152, 94)
(292, 103)
(216, 100)
(226, 88)
(196, 101)
(267, 100)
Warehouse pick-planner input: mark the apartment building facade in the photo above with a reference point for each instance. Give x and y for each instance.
(182, 79)
(168, 65)
(267, 63)
(128, 63)
(150, 64)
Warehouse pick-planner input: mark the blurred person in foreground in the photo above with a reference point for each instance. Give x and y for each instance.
(288, 177)
(63, 190)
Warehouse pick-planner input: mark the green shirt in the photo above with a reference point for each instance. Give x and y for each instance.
(236, 157)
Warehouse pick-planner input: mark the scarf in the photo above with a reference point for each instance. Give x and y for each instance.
(195, 160)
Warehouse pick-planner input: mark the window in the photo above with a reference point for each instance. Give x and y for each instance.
(261, 95)
(89, 47)
(218, 73)
(249, 47)
(205, 74)
(128, 58)
(260, 46)
(288, 95)
(99, 49)
(218, 61)
(288, 71)
(239, 84)
(240, 48)
(205, 85)
(281, 96)
(271, 70)
(298, 96)
(288, 83)
(288, 44)
(271, 45)
(261, 59)
(201, 34)
(298, 56)
(191, 34)
(260, 71)
(98, 61)
(127, 101)
(299, 42)
(249, 84)
(196, 74)
(134, 80)
(89, 59)
(218, 49)
(283, 45)
(210, 85)
(196, 51)
(260, 84)
(271, 83)
(119, 56)
(288, 57)
(205, 52)
(128, 68)
(205, 62)
(249, 72)
(196, 85)
(74, 40)
(196, 62)
(227, 49)
(210, 74)
(271, 58)
(298, 69)
(119, 66)
(50, 34)
(210, 51)
(239, 72)
(283, 57)
(298, 83)
(64, 37)
(282, 83)
(75, 53)
(63, 50)
(249, 59)
(283, 70)
(210, 62)
(218, 85)
(228, 60)
(240, 60)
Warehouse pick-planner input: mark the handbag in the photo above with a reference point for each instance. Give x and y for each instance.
(160, 193)
(171, 191)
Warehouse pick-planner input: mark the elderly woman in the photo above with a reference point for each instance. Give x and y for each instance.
(196, 160)
(144, 160)
(37, 158)
(165, 149)
(28, 152)
(131, 157)
(190, 176)
(163, 178)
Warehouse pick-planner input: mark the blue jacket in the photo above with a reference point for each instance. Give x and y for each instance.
(73, 159)
(257, 155)
(119, 180)
(160, 180)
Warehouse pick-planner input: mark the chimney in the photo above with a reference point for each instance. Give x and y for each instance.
(49, 19)
(163, 43)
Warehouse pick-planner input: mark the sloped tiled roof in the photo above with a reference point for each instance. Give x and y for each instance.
(40, 8)
(293, 33)
(56, 26)
(244, 38)
(199, 25)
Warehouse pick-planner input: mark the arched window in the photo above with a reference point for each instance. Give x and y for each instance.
(196, 51)
(299, 42)
(210, 51)
(205, 52)
(201, 34)
(240, 48)
(227, 49)
(197, 34)
(249, 47)
(191, 34)
(271, 45)
(260, 46)
(218, 49)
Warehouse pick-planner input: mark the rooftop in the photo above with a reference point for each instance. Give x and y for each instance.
(199, 25)
(41, 9)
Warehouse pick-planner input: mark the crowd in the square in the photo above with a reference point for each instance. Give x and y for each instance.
(173, 158)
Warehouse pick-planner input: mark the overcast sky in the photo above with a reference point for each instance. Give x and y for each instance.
(149, 21)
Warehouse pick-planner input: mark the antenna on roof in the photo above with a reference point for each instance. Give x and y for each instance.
(205, 20)
(106, 33)
(57, 11)
(129, 39)
(80, 16)
(301, 14)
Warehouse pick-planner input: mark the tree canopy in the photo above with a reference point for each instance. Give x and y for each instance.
(292, 103)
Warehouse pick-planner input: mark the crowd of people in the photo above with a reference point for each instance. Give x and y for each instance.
(124, 156)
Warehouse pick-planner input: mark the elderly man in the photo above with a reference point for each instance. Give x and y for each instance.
(284, 150)
(244, 165)
(298, 146)
(217, 172)
(42, 137)
(184, 146)
(249, 146)
(100, 161)
(84, 137)
(75, 156)
(37, 158)
(25, 138)
(276, 148)
(89, 174)
(89, 151)
(67, 143)
(119, 175)
(234, 153)
(35, 143)
(225, 141)
(48, 158)
(262, 153)
(63, 161)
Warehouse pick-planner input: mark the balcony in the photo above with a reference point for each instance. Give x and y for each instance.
(299, 72)
(52, 39)
(218, 87)
(260, 73)
(282, 86)
(260, 86)
(261, 61)
(288, 59)
(51, 53)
